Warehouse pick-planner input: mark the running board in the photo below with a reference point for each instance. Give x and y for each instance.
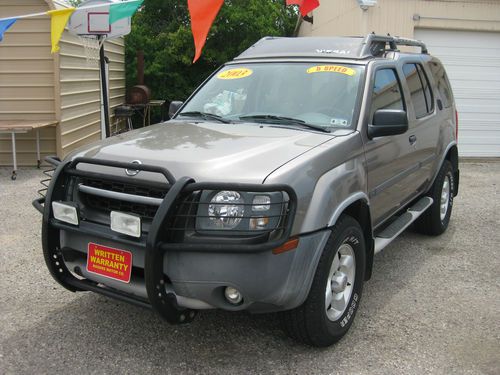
(390, 233)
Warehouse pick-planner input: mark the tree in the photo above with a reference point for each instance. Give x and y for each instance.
(74, 3)
(163, 31)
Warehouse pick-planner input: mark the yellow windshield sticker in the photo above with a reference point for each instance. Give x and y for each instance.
(235, 73)
(332, 68)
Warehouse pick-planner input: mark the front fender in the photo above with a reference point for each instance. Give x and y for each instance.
(326, 180)
(334, 192)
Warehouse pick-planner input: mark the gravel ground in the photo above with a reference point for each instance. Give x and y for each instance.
(432, 306)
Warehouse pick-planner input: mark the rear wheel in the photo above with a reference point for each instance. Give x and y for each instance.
(333, 300)
(435, 220)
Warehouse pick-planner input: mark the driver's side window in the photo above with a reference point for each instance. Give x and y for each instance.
(386, 91)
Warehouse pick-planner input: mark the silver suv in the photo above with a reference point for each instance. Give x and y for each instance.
(270, 189)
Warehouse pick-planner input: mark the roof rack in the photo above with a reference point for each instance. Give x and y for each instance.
(356, 47)
(376, 45)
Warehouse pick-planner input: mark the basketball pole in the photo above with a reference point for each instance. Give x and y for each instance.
(104, 87)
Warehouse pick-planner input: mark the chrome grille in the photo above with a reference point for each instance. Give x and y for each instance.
(106, 196)
(119, 187)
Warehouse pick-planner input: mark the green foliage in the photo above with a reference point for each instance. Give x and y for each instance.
(74, 3)
(163, 31)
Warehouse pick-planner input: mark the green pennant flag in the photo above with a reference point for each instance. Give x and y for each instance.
(118, 11)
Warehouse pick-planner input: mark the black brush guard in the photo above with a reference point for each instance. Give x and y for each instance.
(157, 242)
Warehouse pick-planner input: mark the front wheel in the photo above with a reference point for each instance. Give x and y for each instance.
(329, 310)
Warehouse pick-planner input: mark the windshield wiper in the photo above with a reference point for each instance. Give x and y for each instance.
(274, 119)
(205, 116)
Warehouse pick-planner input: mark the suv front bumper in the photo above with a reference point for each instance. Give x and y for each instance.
(268, 282)
(175, 279)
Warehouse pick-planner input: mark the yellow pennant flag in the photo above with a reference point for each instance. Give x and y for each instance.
(59, 19)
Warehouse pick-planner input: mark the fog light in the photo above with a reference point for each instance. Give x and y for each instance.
(258, 223)
(126, 224)
(65, 212)
(233, 295)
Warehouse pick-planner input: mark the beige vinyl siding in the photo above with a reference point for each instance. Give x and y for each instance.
(80, 98)
(38, 85)
(115, 50)
(27, 89)
(344, 17)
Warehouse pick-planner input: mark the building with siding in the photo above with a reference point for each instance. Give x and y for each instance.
(463, 34)
(38, 85)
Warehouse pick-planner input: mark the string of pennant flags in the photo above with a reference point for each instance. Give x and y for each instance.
(202, 12)
(60, 17)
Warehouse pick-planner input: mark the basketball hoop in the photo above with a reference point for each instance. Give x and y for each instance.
(92, 46)
(90, 22)
(91, 26)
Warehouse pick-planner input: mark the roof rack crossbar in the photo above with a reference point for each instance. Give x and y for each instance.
(411, 42)
(375, 45)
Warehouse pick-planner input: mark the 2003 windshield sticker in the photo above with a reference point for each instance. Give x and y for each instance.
(235, 73)
(331, 69)
(108, 262)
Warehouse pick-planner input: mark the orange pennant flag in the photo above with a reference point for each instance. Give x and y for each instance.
(305, 6)
(203, 13)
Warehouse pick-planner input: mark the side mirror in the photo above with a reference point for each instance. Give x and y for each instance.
(174, 107)
(388, 122)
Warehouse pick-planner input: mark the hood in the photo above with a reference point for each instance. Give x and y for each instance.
(205, 151)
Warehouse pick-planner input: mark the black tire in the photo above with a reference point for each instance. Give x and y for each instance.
(309, 322)
(430, 222)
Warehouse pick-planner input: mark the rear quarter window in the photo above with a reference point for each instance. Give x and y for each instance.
(420, 90)
(442, 83)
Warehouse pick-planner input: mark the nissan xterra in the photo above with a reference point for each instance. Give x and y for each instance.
(269, 190)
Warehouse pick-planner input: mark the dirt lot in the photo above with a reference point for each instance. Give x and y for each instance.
(432, 306)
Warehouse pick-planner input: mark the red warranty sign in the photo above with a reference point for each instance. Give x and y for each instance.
(108, 262)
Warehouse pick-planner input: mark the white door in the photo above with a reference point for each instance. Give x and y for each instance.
(472, 61)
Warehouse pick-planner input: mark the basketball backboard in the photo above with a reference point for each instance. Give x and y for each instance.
(95, 21)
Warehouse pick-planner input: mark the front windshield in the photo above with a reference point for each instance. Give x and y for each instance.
(323, 95)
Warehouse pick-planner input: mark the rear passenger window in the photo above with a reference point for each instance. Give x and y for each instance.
(442, 83)
(386, 91)
(421, 95)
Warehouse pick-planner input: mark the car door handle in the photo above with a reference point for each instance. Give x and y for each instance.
(412, 139)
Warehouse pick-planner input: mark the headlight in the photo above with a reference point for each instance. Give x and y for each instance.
(239, 212)
(226, 210)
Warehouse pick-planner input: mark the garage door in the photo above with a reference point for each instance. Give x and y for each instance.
(472, 61)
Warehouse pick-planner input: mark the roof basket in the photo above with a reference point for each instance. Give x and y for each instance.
(376, 45)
